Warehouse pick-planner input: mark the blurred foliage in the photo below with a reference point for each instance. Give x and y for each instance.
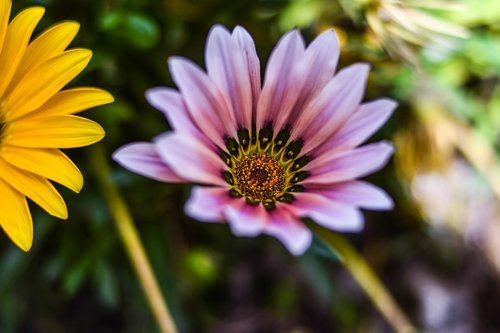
(78, 279)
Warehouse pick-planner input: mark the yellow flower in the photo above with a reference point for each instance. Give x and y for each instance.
(36, 118)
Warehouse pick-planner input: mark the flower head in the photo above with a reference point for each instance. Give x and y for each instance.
(266, 156)
(36, 118)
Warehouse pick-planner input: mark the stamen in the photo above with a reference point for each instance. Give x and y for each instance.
(295, 188)
(292, 150)
(244, 138)
(228, 177)
(287, 197)
(300, 176)
(226, 158)
(299, 163)
(232, 147)
(235, 193)
(265, 137)
(281, 140)
(269, 204)
(259, 176)
(264, 169)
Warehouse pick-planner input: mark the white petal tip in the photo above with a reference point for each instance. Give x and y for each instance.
(218, 28)
(174, 61)
(390, 103)
(300, 246)
(240, 30)
(240, 231)
(353, 227)
(388, 147)
(363, 68)
(119, 154)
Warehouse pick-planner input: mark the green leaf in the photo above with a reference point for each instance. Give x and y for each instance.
(136, 29)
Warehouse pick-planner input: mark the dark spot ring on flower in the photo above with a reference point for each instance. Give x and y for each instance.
(264, 169)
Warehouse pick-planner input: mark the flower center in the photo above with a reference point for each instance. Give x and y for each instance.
(259, 176)
(264, 168)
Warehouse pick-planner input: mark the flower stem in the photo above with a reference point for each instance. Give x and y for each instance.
(367, 279)
(131, 240)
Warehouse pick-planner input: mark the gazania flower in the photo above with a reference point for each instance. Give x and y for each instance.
(36, 118)
(402, 24)
(265, 157)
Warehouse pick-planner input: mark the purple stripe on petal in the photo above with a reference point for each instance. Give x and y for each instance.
(142, 158)
(282, 84)
(206, 203)
(289, 230)
(328, 213)
(245, 41)
(349, 165)
(332, 107)
(171, 104)
(321, 59)
(190, 158)
(356, 193)
(360, 126)
(244, 219)
(227, 67)
(317, 69)
(205, 102)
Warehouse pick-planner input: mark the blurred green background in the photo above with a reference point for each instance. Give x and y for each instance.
(438, 251)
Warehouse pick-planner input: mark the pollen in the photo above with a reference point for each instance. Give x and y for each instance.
(259, 177)
(264, 167)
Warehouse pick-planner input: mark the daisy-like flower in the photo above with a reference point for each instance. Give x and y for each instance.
(36, 118)
(264, 157)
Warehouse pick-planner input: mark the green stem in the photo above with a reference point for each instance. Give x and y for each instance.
(367, 279)
(131, 240)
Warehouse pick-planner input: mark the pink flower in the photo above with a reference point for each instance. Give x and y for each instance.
(265, 156)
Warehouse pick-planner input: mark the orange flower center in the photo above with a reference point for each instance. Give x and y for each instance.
(264, 168)
(259, 176)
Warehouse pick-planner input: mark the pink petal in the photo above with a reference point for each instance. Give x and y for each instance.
(328, 213)
(357, 193)
(245, 41)
(142, 158)
(290, 231)
(317, 69)
(349, 165)
(190, 158)
(361, 125)
(282, 83)
(206, 204)
(245, 219)
(205, 102)
(170, 103)
(332, 107)
(227, 67)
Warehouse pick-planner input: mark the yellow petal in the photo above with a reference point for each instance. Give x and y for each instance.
(5, 6)
(44, 81)
(65, 131)
(15, 217)
(15, 43)
(74, 100)
(50, 43)
(37, 188)
(47, 163)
